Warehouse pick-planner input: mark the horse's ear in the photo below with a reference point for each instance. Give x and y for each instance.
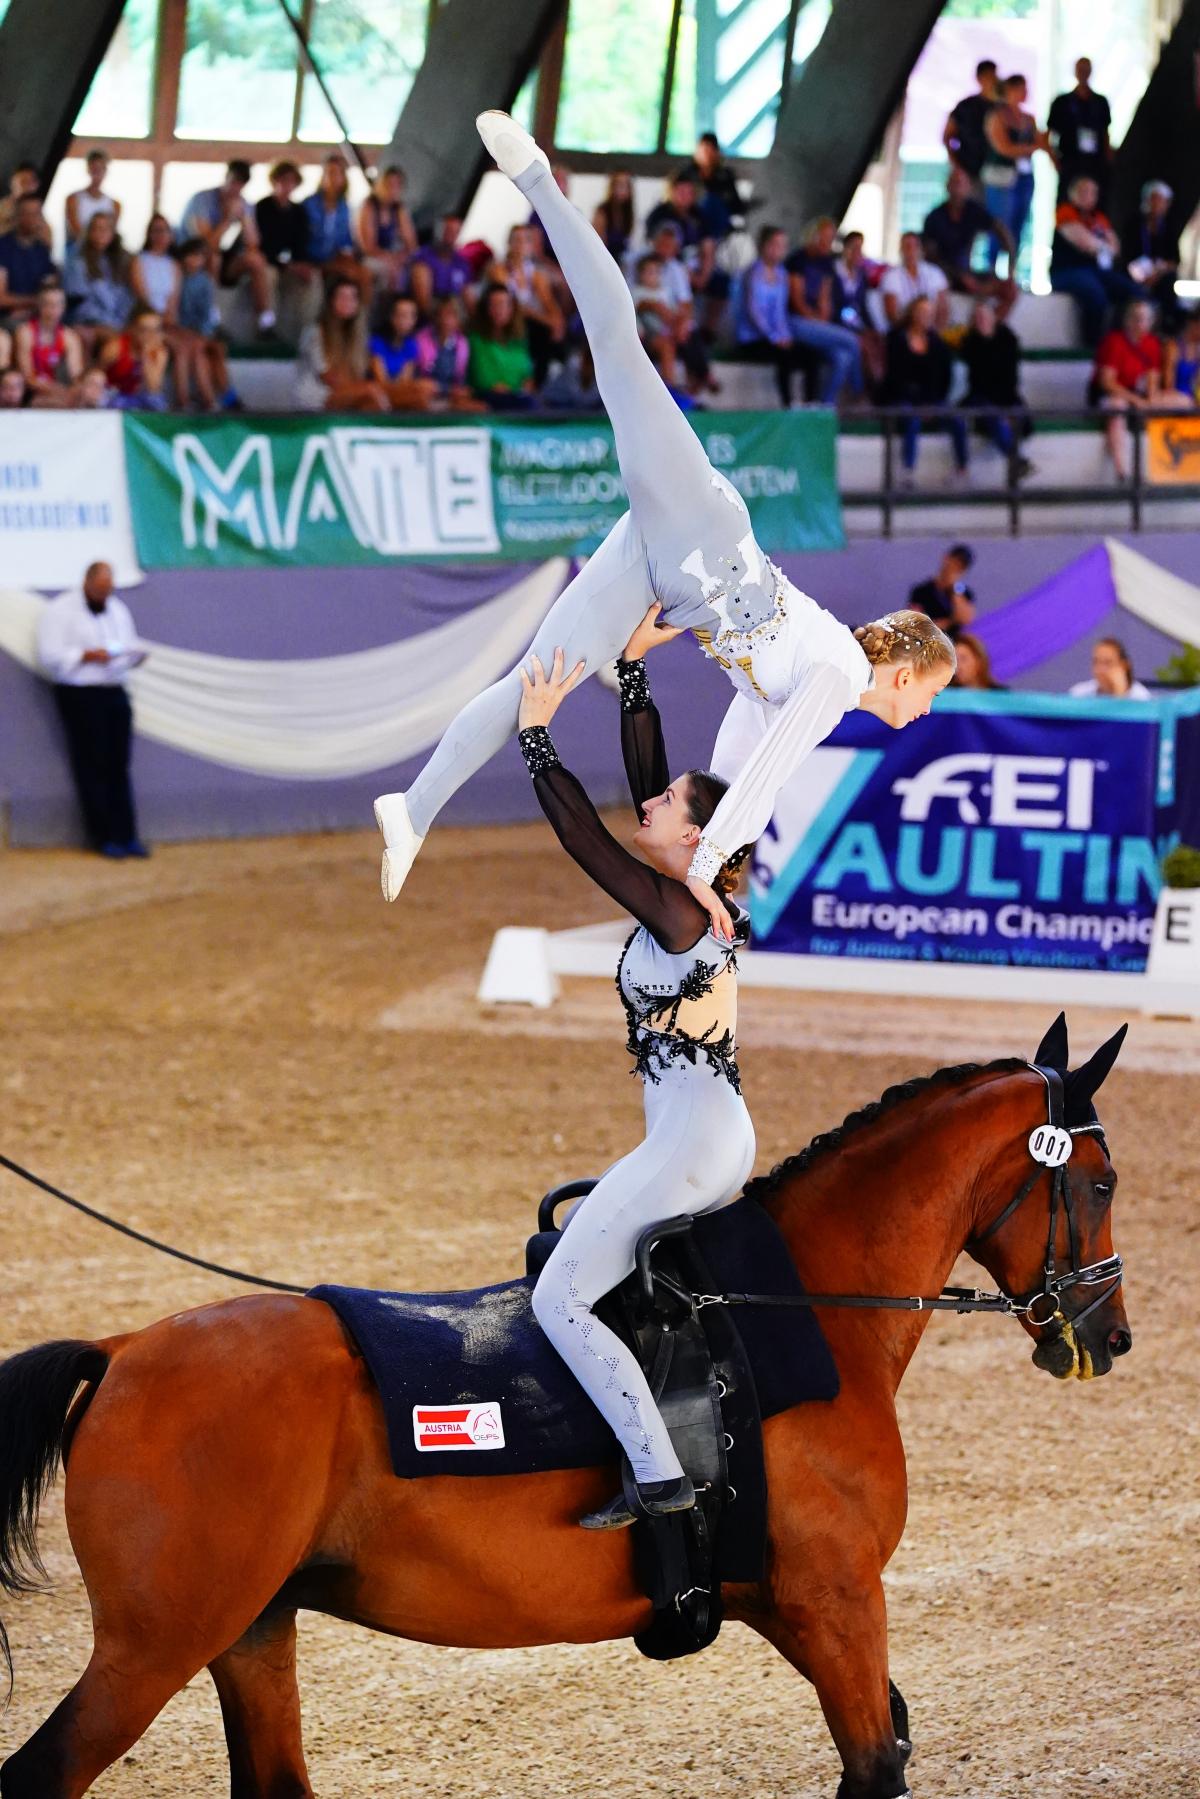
(1082, 1083)
(1052, 1050)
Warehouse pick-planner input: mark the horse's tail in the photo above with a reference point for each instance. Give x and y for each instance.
(36, 1390)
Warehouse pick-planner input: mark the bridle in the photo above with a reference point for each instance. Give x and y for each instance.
(1111, 1269)
(1056, 1138)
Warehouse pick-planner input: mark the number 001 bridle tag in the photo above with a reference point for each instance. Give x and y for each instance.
(1050, 1145)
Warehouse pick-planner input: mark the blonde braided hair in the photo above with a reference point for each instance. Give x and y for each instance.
(906, 637)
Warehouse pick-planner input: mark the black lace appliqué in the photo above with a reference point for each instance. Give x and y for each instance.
(654, 1047)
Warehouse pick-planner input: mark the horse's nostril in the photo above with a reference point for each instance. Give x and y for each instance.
(1120, 1341)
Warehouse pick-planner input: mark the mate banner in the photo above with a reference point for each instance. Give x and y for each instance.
(335, 492)
(1022, 829)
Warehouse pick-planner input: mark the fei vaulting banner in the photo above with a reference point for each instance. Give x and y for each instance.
(334, 492)
(1016, 829)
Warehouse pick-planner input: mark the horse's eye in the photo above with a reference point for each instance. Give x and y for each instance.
(1102, 1190)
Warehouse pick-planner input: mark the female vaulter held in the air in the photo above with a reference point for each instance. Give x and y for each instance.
(678, 984)
(687, 543)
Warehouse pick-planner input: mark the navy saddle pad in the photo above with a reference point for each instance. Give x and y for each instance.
(470, 1385)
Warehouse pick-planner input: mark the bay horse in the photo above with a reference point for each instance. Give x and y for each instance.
(229, 1465)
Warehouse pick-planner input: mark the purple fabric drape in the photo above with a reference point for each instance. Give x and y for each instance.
(1051, 616)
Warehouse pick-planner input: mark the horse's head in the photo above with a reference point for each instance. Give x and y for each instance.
(1050, 1244)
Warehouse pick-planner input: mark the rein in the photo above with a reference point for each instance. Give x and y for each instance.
(1050, 1141)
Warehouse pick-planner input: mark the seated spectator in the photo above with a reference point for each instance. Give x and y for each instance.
(1128, 377)
(85, 202)
(331, 242)
(500, 367)
(677, 291)
(697, 245)
(529, 284)
(25, 179)
(334, 357)
(1150, 250)
(974, 665)
(810, 307)
(14, 390)
(918, 375)
(945, 597)
(440, 271)
(572, 386)
(6, 348)
(156, 278)
(950, 234)
(25, 261)
(386, 233)
(93, 394)
(852, 282)
(394, 357)
(1181, 373)
(48, 353)
(656, 316)
(964, 135)
(136, 362)
(1112, 674)
(225, 222)
(1083, 258)
(154, 273)
(992, 355)
(283, 239)
(1078, 126)
(199, 323)
(97, 280)
(720, 202)
(915, 279)
(614, 218)
(762, 327)
(443, 354)
(1007, 174)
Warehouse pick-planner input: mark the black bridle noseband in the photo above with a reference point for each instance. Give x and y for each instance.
(1050, 1148)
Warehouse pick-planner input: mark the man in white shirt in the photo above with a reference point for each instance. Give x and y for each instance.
(1112, 674)
(86, 645)
(915, 279)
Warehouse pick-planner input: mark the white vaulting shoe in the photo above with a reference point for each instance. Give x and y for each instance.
(508, 144)
(400, 842)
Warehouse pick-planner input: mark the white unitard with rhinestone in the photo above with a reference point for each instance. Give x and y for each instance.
(678, 984)
(687, 542)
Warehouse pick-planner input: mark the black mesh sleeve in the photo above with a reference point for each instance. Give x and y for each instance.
(663, 905)
(641, 735)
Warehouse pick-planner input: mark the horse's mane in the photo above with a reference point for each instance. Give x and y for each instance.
(767, 1184)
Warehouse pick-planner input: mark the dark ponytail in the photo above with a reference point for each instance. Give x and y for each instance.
(705, 793)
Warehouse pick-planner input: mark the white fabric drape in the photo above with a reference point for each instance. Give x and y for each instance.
(325, 718)
(1153, 594)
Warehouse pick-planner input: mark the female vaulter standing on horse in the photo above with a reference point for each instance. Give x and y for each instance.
(679, 988)
(686, 542)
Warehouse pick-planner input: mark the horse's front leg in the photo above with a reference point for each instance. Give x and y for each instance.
(836, 1636)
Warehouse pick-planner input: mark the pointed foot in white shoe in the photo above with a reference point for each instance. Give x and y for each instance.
(401, 842)
(508, 144)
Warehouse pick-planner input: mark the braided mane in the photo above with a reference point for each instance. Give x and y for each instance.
(767, 1184)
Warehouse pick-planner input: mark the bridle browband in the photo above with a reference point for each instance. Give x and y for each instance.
(973, 1299)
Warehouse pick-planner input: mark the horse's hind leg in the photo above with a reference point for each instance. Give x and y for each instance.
(260, 1703)
(104, 1714)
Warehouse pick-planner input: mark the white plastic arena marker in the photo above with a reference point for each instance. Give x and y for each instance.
(518, 969)
(458, 1426)
(1173, 965)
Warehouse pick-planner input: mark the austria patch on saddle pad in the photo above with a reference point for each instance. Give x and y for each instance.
(458, 1427)
(483, 1352)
